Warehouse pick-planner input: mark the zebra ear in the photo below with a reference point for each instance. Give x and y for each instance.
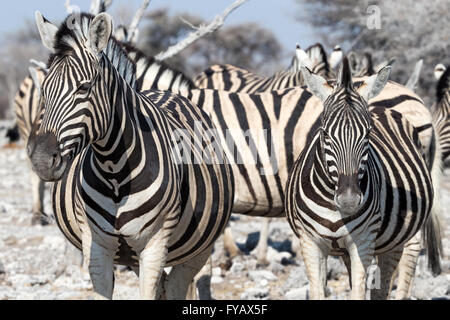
(372, 87)
(316, 84)
(100, 32)
(303, 58)
(47, 31)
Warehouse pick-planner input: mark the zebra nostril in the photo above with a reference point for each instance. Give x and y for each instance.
(55, 160)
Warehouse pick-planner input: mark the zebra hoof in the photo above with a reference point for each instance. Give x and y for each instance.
(40, 219)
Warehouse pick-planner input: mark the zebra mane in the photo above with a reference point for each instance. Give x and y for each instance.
(443, 85)
(139, 56)
(74, 31)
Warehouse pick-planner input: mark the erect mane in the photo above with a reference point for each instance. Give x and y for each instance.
(138, 55)
(443, 85)
(74, 31)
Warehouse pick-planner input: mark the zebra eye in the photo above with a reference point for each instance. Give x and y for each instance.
(84, 87)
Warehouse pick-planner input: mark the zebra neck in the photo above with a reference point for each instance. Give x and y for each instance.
(121, 138)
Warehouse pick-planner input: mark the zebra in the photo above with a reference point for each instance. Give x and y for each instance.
(361, 188)
(441, 110)
(235, 79)
(125, 190)
(26, 109)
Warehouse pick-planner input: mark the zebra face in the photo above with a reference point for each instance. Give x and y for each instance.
(73, 97)
(345, 147)
(70, 118)
(345, 132)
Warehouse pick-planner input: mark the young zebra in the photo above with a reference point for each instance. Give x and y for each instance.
(125, 191)
(441, 112)
(26, 108)
(361, 188)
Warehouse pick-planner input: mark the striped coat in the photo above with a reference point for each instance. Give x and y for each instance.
(360, 188)
(136, 180)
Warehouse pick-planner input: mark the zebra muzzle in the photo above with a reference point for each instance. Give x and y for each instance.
(45, 156)
(348, 198)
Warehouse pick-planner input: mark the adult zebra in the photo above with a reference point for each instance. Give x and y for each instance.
(125, 192)
(26, 108)
(235, 79)
(361, 188)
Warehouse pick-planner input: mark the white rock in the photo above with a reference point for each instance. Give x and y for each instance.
(237, 267)
(258, 275)
(216, 279)
(217, 272)
(298, 294)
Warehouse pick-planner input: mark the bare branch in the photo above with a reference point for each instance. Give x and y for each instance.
(98, 6)
(190, 25)
(199, 32)
(133, 31)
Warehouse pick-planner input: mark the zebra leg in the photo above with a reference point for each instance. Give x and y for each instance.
(316, 267)
(261, 249)
(202, 283)
(182, 276)
(348, 266)
(38, 187)
(101, 270)
(407, 267)
(387, 263)
(229, 244)
(151, 265)
(360, 259)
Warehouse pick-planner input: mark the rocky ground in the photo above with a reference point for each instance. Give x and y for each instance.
(38, 263)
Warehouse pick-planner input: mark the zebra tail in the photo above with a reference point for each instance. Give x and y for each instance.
(432, 229)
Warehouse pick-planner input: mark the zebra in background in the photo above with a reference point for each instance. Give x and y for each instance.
(314, 58)
(26, 108)
(235, 79)
(361, 188)
(125, 191)
(441, 109)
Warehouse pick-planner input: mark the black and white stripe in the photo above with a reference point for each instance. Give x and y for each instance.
(441, 112)
(26, 108)
(123, 192)
(361, 188)
(235, 79)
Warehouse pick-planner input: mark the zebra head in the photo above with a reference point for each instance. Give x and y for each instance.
(344, 135)
(73, 96)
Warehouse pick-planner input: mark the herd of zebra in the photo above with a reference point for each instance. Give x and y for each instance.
(147, 165)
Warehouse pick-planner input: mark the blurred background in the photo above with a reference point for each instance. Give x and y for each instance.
(261, 35)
